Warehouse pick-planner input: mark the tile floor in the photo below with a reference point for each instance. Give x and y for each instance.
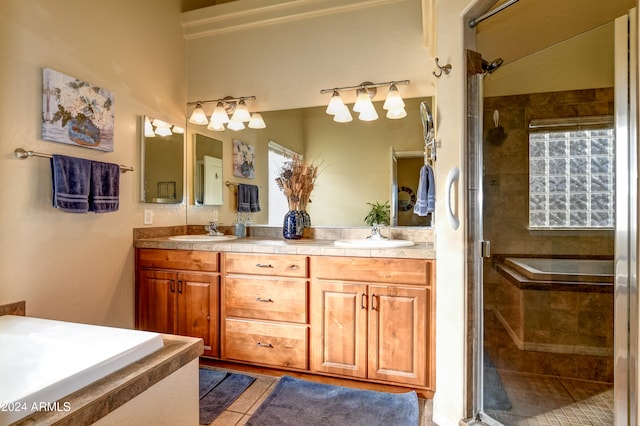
(242, 408)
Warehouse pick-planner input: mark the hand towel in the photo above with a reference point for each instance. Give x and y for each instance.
(426, 196)
(105, 187)
(71, 183)
(248, 199)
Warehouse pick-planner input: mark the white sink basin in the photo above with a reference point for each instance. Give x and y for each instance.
(202, 238)
(371, 243)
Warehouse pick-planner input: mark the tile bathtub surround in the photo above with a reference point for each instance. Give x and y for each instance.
(17, 308)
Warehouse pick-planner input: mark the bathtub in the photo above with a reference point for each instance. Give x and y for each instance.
(42, 361)
(563, 270)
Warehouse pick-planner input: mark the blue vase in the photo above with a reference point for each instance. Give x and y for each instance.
(293, 225)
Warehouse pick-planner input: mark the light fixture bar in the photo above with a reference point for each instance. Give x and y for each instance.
(365, 86)
(225, 100)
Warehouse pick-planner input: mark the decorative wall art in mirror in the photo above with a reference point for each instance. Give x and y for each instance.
(162, 162)
(353, 158)
(207, 168)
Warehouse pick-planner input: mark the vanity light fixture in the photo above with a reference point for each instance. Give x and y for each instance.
(237, 107)
(365, 92)
(154, 127)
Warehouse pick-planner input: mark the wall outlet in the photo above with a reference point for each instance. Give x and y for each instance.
(148, 217)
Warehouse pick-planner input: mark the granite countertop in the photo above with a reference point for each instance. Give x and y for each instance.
(317, 247)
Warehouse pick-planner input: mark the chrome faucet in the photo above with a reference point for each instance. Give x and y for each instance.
(212, 228)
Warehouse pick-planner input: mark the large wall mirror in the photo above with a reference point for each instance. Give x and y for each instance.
(162, 161)
(355, 163)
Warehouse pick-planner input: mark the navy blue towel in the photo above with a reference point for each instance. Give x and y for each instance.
(248, 198)
(105, 187)
(71, 183)
(426, 197)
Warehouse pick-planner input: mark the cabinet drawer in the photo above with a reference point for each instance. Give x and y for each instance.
(178, 259)
(267, 298)
(378, 270)
(266, 264)
(266, 343)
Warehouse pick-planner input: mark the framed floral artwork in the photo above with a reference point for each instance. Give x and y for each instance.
(75, 112)
(243, 160)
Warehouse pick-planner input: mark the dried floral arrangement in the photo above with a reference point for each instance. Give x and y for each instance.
(296, 181)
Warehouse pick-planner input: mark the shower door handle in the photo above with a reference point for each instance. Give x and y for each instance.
(452, 177)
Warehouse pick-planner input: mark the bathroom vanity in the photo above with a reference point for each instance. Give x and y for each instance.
(309, 306)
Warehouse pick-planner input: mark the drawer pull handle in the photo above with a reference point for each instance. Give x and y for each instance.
(264, 265)
(294, 267)
(179, 286)
(363, 301)
(264, 345)
(373, 300)
(172, 286)
(260, 299)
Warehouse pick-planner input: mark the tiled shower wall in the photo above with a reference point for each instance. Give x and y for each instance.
(506, 177)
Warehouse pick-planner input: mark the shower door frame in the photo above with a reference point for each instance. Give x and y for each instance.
(626, 233)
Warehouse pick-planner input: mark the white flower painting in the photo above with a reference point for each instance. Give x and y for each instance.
(243, 160)
(75, 112)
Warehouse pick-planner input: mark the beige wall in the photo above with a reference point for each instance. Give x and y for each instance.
(67, 266)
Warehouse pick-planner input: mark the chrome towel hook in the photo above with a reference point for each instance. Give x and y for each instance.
(446, 69)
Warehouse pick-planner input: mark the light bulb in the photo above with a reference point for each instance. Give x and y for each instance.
(215, 126)
(148, 129)
(220, 115)
(198, 116)
(241, 113)
(163, 131)
(396, 113)
(362, 101)
(256, 121)
(235, 124)
(343, 116)
(335, 104)
(393, 100)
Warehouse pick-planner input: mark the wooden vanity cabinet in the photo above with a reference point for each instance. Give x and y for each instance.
(177, 292)
(372, 318)
(265, 318)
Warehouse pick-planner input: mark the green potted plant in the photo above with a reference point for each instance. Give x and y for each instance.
(378, 216)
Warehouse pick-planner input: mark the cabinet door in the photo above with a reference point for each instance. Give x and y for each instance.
(339, 327)
(398, 334)
(198, 301)
(157, 301)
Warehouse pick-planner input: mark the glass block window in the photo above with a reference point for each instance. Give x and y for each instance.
(571, 179)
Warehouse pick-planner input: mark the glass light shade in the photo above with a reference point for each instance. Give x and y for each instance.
(177, 129)
(198, 116)
(163, 131)
(241, 113)
(235, 124)
(256, 121)
(343, 116)
(363, 101)
(393, 100)
(220, 115)
(396, 113)
(215, 126)
(335, 104)
(368, 114)
(148, 129)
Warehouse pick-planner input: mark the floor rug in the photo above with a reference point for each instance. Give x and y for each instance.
(218, 390)
(303, 403)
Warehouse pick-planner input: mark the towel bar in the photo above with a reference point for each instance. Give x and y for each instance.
(23, 154)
